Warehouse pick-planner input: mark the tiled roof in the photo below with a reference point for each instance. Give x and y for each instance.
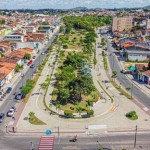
(140, 67)
(147, 73)
(127, 44)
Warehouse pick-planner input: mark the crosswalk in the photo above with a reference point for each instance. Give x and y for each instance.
(46, 143)
(114, 108)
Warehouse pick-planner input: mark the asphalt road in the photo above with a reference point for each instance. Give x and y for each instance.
(114, 64)
(10, 101)
(84, 142)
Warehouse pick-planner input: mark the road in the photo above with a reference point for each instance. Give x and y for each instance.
(84, 142)
(114, 64)
(10, 101)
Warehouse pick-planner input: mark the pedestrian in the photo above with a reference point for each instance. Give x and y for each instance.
(31, 148)
(13, 129)
(6, 129)
(13, 118)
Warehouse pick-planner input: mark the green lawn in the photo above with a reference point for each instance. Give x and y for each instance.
(72, 107)
(35, 121)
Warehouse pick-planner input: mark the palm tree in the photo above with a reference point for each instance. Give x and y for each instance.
(129, 89)
(58, 106)
(114, 74)
(89, 103)
(79, 110)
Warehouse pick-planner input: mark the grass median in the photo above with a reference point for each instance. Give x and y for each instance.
(121, 90)
(105, 62)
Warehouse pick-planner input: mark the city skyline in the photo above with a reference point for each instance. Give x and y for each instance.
(67, 4)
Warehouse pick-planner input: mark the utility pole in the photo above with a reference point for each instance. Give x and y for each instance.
(100, 147)
(135, 137)
(58, 136)
(131, 89)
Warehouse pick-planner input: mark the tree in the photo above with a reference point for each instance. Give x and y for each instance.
(58, 106)
(95, 61)
(61, 29)
(65, 46)
(27, 56)
(89, 103)
(45, 23)
(18, 67)
(44, 85)
(103, 42)
(63, 95)
(114, 74)
(90, 112)
(79, 110)
(129, 89)
(82, 84)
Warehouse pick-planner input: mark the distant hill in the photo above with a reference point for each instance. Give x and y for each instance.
(79, 8)
(147, 7)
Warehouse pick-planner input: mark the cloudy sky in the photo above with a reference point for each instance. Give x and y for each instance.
(37, 4)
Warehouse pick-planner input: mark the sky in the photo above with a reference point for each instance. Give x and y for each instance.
(65, 4)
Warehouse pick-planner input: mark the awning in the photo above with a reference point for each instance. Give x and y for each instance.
(132, 68)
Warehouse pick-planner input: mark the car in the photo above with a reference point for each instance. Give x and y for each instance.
(9, 89)
(1, 117)
(10, 113)
(34, 57)
(30, 62)
(123, 71)
(32, 66)
(42, 53)
(19, 96)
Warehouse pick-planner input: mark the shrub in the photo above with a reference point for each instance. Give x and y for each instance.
(72, 108)
(103, 53)
(90, 112)
(132, 115)
(65, 46)
(31, 114)
(68, 113)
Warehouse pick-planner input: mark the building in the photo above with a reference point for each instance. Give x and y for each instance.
(122, 24)
(143, 74)
(14, 37)
(148, 24)
(132, 52)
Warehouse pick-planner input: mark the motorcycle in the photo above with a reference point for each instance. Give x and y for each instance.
(74, 139)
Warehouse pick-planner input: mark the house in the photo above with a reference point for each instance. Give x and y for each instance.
(142, 73)
(5, 46)
(135, 53)
(14, 37)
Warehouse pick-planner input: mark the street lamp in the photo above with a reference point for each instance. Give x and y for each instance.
(135, 137)
(22, 75)
(58, 136)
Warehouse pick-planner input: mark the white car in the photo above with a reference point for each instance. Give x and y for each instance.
(10, 113)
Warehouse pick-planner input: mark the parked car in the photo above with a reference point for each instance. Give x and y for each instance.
(10, 113)
(30, 62)
(42, 53)
(1, 117)
(9, 89)
(19, 96)
(123, 71)
(34, 57)
(32, 66)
